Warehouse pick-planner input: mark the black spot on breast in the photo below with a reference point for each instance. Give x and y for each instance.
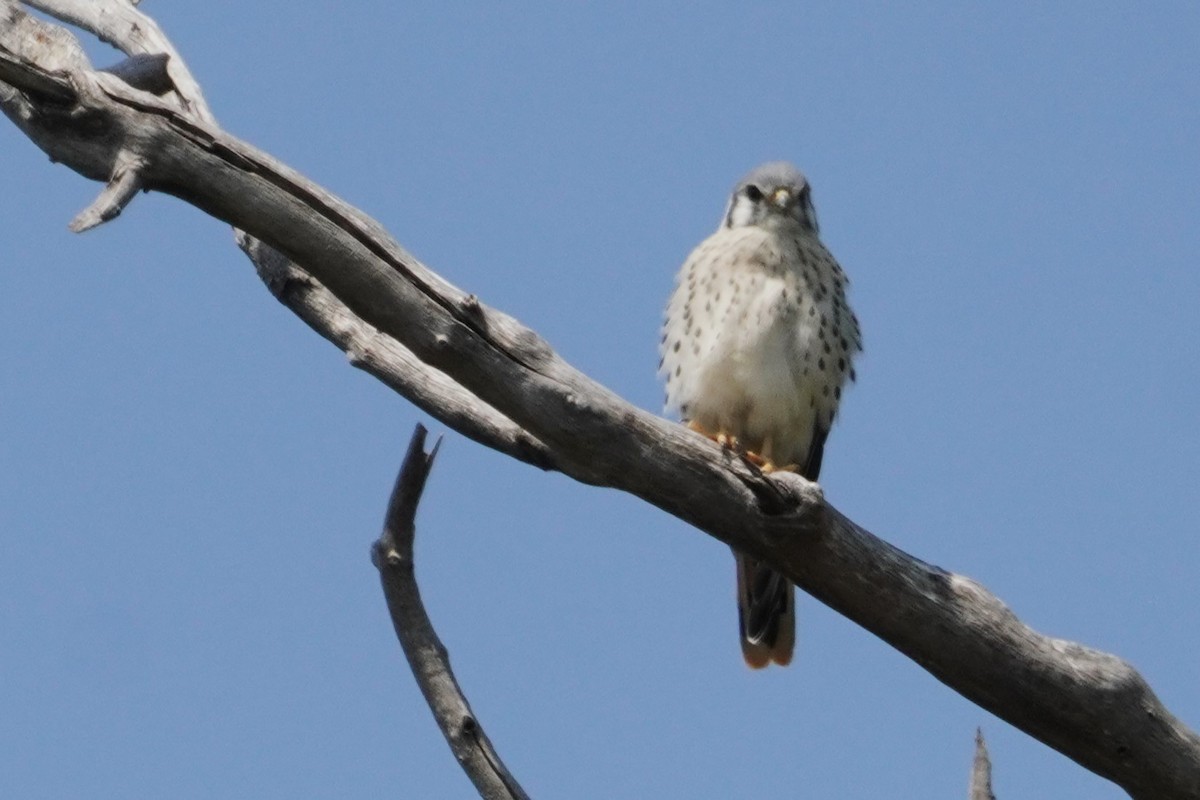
(841, 365)
(675, 347)
(820, 365)
(677, 371)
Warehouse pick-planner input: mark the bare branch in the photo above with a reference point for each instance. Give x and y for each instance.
(981, 771)
(1090, 705)
(33, 81)
(26, 40)
(427, 656)
(382, 356)
(144, 71)
(121, 188)
(121, 24)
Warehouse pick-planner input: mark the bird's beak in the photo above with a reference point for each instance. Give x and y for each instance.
(782, 198)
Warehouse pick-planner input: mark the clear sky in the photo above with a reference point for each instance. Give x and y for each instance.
(190, 479)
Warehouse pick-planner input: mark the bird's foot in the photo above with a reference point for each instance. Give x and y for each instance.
(766, 466)
(732, 443)
(726, 440)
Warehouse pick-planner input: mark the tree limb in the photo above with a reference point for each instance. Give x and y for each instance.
(119, 23)
(391, 362)
(1090, 705)
(392, 554)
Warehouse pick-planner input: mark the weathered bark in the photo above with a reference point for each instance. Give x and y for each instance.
(393, 556)
(981, 772)
(483, 373)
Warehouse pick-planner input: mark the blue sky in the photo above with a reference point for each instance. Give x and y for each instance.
(190, 479)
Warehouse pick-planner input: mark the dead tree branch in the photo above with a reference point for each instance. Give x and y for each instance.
(1089, 705)
(391, 362)
(392, 554)
(981, 771)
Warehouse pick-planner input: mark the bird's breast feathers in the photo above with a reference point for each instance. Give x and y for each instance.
(758, 339)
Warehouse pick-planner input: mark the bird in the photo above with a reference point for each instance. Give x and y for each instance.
(757, 346)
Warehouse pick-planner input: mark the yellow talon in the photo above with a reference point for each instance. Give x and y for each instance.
(731, 442)
(726, 440)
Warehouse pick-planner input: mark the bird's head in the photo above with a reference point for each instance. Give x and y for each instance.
(774, 194)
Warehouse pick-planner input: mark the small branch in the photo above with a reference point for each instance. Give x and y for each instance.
(121, 24)
(981, 771)
(431, 390)
(117, 193)
(147, 72)
(392, 554)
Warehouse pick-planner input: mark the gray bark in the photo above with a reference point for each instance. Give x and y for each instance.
(981, 772)
(393, 556)
(483, 373)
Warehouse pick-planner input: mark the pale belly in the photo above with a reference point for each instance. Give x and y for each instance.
(761, 383)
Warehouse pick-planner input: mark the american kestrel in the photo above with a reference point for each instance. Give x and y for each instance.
(757, 345)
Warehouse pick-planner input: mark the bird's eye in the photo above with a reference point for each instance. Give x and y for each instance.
(754, 193)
